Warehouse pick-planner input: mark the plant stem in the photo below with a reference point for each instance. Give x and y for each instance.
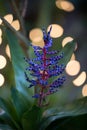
(19, 16)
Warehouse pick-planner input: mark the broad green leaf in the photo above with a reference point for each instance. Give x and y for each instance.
(76, 108)
(5, 119)
(18, 63)
(5, 127)
(31, 118)
(20, 101)
(5, 92)
(67, 50)
(9, 108)
(76, 122)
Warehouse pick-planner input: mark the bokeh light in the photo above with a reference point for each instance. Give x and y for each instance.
(72, 68)
(0, 40)
(0, 32)
(56, 31)
(0, 21)
(73, 57)
(65, 5)
(36, 35)
(40, 44)
(66, 40)
(2, 80)
(9, 18)
(2, 62)
(16, 25)
(84, 90)
(8, 51)
(80, 79)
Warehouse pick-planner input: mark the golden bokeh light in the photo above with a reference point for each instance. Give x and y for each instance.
(9, 18)
(72, 68)
(3, 62)
(8, 51)
(0, 21)
(84, 90)
(36, 35)
(58, 4)
(56, 31)
(66, 40)
(80, 79)
(0, 40)
(2, 80)
(0, 32)
(65, 5)
(73, 57)
(16, 25)
(40, 44)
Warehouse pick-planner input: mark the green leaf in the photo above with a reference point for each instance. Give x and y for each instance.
(5, 119)
(5, 127)
(20, 101)
(67, 50)
(77, 122)
(18, 63)
(32, 118)
(9, 108)
(5, 92)
(76, 108)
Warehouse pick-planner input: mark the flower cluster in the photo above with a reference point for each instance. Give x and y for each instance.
(44, 67)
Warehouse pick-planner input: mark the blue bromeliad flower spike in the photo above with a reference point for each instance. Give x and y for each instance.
(43, 68)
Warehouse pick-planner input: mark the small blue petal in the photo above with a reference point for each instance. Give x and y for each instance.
(36, 96)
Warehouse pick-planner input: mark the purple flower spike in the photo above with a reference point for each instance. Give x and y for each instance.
(43, 67)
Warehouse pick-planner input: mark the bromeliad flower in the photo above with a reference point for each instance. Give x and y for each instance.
(44, 67)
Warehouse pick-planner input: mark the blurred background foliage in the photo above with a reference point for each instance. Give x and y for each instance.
(69, 19)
